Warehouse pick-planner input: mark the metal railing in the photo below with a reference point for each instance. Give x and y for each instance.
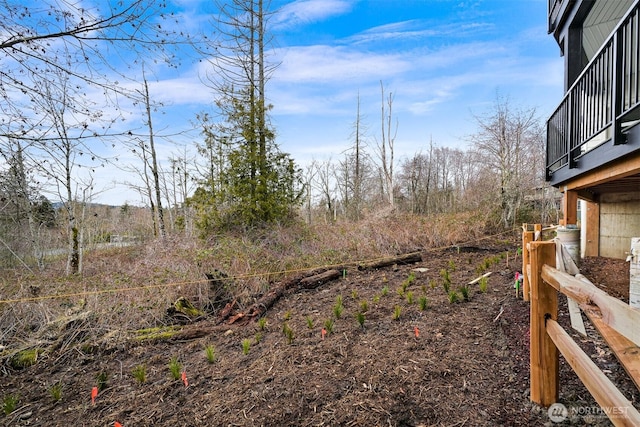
(630, 59)
(605, 95)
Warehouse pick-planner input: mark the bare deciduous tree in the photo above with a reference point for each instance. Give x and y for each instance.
(505, 145)
(388, 132)
(325, 185)
(60, 84)
(63, 149)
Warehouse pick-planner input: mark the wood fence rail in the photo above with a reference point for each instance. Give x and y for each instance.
(618, 323)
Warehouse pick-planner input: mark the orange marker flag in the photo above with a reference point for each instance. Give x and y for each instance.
(184, 379)
(323, 333)
(94, 394)
(117, 424)
(416, 331)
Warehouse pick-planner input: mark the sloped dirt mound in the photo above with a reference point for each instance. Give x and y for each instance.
(451, 364)
(609, 274)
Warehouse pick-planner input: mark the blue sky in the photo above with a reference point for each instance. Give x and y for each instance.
(444, 61)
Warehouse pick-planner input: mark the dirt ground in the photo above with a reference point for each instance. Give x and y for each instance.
(452, 364)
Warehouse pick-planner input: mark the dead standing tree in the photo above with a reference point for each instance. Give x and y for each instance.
(355, 170)
(386, 151)
(151, 166)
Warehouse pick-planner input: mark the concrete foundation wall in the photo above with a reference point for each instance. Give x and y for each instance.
(619, 222)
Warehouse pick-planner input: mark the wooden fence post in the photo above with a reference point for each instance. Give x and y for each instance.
(544, 304)
(527, 237)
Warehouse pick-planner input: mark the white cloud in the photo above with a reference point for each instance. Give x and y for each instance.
(415, 30)
(322, 64)
(181, 90)
(307, 11)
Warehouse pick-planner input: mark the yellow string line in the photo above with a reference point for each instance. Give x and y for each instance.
(241, 276)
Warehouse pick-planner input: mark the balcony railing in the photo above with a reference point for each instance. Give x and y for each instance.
(603, 100)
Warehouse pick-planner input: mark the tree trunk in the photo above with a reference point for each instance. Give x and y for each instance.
(410, 258)
(309, 281)
(154, 165)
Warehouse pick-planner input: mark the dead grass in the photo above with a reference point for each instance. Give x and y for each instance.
(131, 288)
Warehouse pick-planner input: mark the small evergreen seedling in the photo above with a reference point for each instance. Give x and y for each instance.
(364, 306)
(465, 292)
(453, 297)
(175, 368)
(257, 337)
(409, 296)
(446, 280)
(407, 282)
(10, 403)
(410, 278)
(422, 303)
(246, 346)
(360, 319)
(140, 373)
(328, 325)
(376, 299)
(446, 286)
(354, 294)
(337, 310)
(309, 322)
(210, 352)
(287, 315)
(288, 333)
(483, 284)
(262, 323)
(385, 291)
(397, 311)
(339, 300)
(102, 379)
(55, 391)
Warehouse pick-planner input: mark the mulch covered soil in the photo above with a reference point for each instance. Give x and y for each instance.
(453, 364)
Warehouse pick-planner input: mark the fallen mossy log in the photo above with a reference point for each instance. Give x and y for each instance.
(156, 334)
(183, 311)
(187, 334)
(465, 249)
(310, 280)
(410, 258)
(319, 279)
(24, 358)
